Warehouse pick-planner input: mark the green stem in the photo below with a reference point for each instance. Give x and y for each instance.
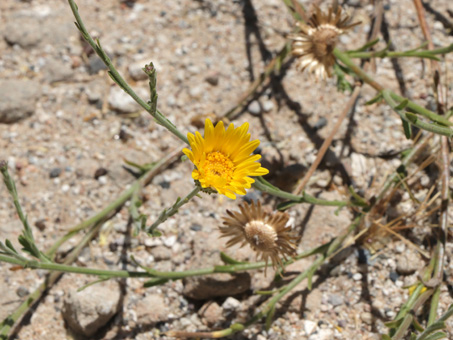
(401, 54)
(263, 185)
(346, 60)
(160, 118)
(174, 209)
(420, 146)
(9, 322)
(94, 219)
(414, 119)
(433, 307)
(113, 206)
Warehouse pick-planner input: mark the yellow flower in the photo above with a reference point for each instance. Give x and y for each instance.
(266, 233)
(223, 158)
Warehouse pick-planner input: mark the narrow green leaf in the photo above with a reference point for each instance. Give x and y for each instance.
(155, 282)
(436, 336)
(269, 317)
(375, 99)
(402, 105)
(229, 260)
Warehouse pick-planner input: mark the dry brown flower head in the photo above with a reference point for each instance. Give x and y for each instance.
(266, 233)
(314, 44)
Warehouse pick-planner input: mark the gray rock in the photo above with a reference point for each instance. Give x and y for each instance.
(231, 304)
(56, 70)
(87, 311)
(55, 172)
(29, 28)
(161, 253)
(212, 79)
(335, 299)
(136, 70)
(211, 313)
(95, 64)
(215, 285)
(120, 101)
(254, 108)
(23, 31)
(408, 263)
(151, 309)
(95, 90)
(367, 317)
(268, 105)
(17, 99)
(22, 291)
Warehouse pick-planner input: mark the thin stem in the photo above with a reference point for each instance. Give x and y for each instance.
(414, 120)
(401, 54)
(262, 185)
(174, 209)
(345, 59)
(149, 272)
(433, 307)
(9, 321)
(160, 118)
(124, 197)
(95, 223)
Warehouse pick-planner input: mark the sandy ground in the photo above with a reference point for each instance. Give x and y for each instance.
(76, 129)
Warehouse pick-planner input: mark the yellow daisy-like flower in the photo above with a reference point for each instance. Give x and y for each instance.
(314, 44)
(223, 158)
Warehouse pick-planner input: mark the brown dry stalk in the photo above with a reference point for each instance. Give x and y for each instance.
(326, 144)
(445, 155)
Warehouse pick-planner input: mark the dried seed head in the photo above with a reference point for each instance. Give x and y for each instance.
(314, 44)
(266, 233)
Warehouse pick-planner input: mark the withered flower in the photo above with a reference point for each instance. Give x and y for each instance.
(266, 233)
(314, 44)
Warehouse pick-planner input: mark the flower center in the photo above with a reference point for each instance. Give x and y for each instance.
(219, 165)
(324, 40)
(260, 235)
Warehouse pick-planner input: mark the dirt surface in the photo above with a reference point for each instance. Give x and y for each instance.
(71, 129)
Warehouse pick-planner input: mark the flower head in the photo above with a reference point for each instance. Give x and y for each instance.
(223, 158)
(266, 233)
(315, 42)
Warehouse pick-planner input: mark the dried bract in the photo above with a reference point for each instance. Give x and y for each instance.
(313, 45)
(266, 233)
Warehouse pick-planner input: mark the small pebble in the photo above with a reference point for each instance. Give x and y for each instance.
(367, 318)
(268, 105)
(357, 277)
(309, 327)
(213, 79)
(335, 299)
(231, 304)
(400, 248)
(22, 291)
(170, 241)
(103, 180)
(254, 108)
(195, 227)
(100, 172)
(394, 276)
(40, 224)
(55, 172)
